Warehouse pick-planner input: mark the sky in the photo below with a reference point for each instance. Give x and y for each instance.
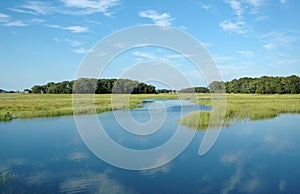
(43, 41)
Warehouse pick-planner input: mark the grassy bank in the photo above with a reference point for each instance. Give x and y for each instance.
(53, 105)
(245, 106)
(238, 106)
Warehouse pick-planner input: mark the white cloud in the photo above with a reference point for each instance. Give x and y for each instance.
(283, 1)
(183, 27)
(101, 54)
(176, 56)
(7, 21)
(204, 6)
(164, 60)
(16, 23)
(2, 15)
(73, 7)
(236, 6)
(252, 6)
(246, 53)
(276, 39)
(269, 46)
(163, 19)
(37, 20)
(243, 7)
(80, 51)
(92, 6)
(286, 61)
(73, 43)
(261, 18)
(236, 27)
(120, 45)
(197, 76)
(220, 58)
(207, 44)
(35, 8)
(144, 55)
(232, 71)
(240, 8)
(137, 60)
(74, 29)
(254, 3)
(93, 22)
(56, 39)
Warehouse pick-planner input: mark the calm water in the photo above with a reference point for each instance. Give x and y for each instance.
(48, 156)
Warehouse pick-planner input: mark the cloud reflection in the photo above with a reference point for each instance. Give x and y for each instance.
(282, 185)
(233, 181)
(77, 156)
(251, 185)
(230, 158)
(160, 170)
(241, 180)
(278, 143)
(93, 183)
(10, 163)
(39, 178)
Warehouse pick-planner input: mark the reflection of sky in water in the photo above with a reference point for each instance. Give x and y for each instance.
(47, 155)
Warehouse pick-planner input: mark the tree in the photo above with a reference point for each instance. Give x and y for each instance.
(39, 89)
(262, 85)
(217, 87)
(85, 86)
(150, 89)
(195, 89)
(265, 85)
(97, 86)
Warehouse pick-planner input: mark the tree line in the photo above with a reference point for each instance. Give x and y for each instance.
(195, 89)
(262, 85)
(4, 91)
(95, 86)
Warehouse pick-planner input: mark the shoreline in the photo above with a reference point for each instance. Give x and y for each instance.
(239, 106)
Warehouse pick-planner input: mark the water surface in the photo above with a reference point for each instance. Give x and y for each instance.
(47, 155)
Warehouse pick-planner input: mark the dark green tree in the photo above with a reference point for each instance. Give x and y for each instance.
(217, 87)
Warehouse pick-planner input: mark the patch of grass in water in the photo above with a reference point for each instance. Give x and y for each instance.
(245, 107)
(6, 177)
(6, 117)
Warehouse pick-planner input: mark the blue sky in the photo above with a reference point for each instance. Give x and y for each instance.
(44, 41)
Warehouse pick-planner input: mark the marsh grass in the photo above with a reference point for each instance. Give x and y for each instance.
(238, 106)
(54, 105)
(6, 117)
(245, 107)
(29, 106)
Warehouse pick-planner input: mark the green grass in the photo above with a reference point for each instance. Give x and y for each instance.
(245, 107)
(29, 106)
(54, 105)
(238, 106)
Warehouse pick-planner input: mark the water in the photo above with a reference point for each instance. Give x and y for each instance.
(47, 155)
